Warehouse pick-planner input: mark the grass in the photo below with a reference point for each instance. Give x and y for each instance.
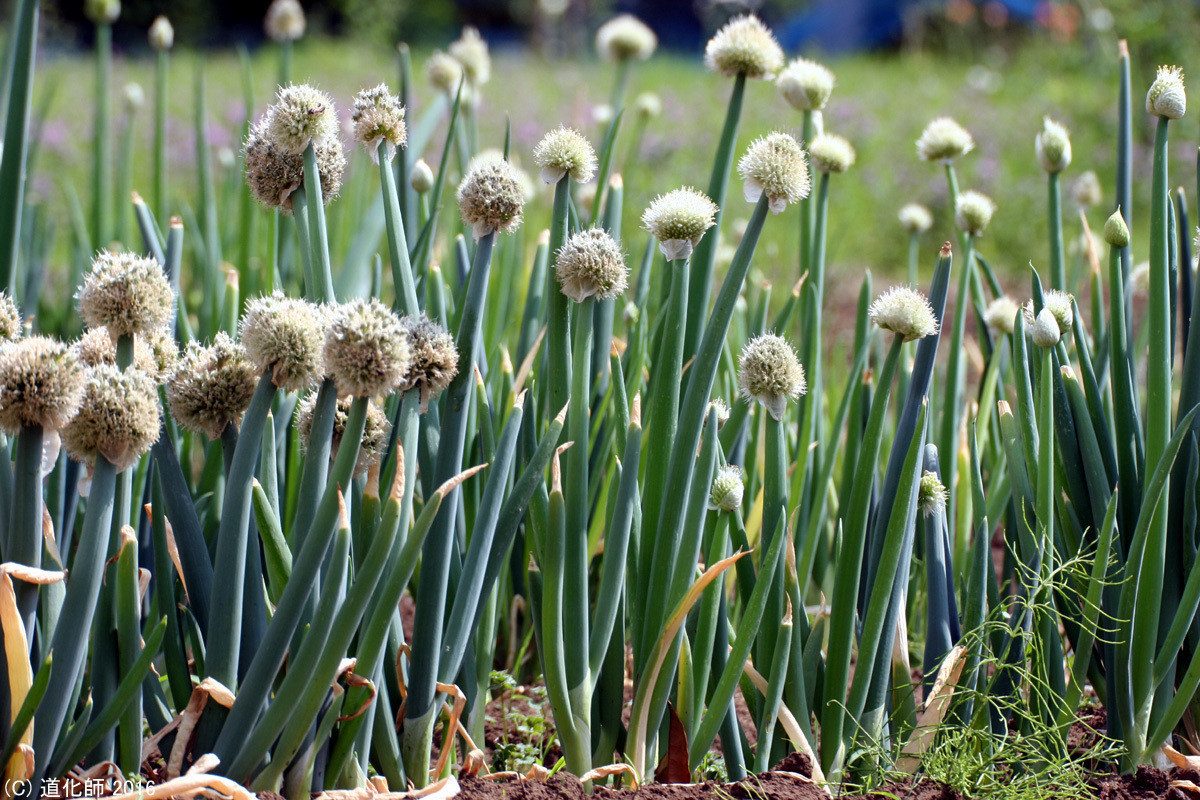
(880, 103)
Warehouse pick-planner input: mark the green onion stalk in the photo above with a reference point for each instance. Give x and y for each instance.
(210, 228)
(866, 703)
(558, 309)
(13, 159)
(102, 177)
(222, 644)
(1158, 430)
(236, 742)
(914, 251)
(575, 734)
(300, 701)
(71, 636)
(808, 208)
(665, 495)
(24, 532)
(402, 277)
(952, 399)
(422, 705)
(576, 624)
(849, 569)
(704, 260)
(1058, 273)
(125, 158)
(657, 553)
(162, 72)
(856, 541)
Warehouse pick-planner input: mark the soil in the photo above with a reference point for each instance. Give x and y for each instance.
(790, 779)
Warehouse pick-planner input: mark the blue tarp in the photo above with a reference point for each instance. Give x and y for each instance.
(844, 25)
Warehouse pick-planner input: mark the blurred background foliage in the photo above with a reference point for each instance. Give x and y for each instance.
(998, 66)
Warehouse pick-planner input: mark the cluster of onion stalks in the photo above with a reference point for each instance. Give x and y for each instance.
(586, 468)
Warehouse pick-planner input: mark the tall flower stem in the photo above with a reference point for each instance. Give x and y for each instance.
(807, 208)
(402, 278)
(705, 257)
(161, 77)
(914, 250)
(576, 619)
(224, 631)
(102, 177)
(1058, 273)
(1148, 607)
(422, 710)
(71, 635)
(952, 400)
(25, 526)
(849, 570)
(664, 415)
(558, 320)
(13, 160)
(233, 745)
(318, 232)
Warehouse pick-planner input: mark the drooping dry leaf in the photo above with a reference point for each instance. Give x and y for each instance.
(674, 765)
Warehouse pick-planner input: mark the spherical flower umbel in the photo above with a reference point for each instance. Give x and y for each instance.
(591, 264)
(625, 38)
(161, 35)
(10, 319)
(831, 153)
(647, 105)
(744, 45)
(41, 382)
(135, 97)
(1053, 146)
(490, 197)
(496, 154)
(434, 361)
(770, 372)
(155, 353)
(445, 74)
(805, 85)
(944, 140)
(127, 294)
(565, 151)
(102, 12)
(973, 212)
(274, 175)
(378, 118)
(285, 335)
(1044, 330)
(1167, 97)
(932, 494)
(728, 489)
(1116, 232)
(774, 165)
(375, 430)
(301, 115)
(212, 386)
(1000, 315)
(420, 177)
(718, 406)
(678, 219)
(1139, 280)
(471, 51)
(905, 312)
(1061, 306)
(117, 419)
(1086, 190)
(366, 349)
(284, 21)
(915, 218)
